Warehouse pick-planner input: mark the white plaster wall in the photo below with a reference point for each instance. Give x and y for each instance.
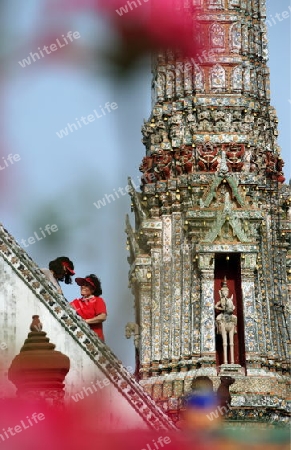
(17, 306)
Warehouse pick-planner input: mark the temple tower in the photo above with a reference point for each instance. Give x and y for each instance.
(213, 212)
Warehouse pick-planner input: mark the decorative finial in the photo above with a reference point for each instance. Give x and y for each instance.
(224, 283)
(36, 324)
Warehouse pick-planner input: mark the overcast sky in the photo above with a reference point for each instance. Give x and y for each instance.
(56, 181)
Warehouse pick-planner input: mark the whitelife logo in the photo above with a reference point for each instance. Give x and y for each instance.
(89, 390)
(3, 346)
(108, 198)
(124, 9)
(9, 160)
(90, 118)
(285, 15)
(52, 48)
(24, 425)
(48, 230)
(219, 411)
(159, 444)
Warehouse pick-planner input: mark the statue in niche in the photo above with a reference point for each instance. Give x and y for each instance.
(170, 81)
(217, 37)
(235, 37)
(261, 85)
(217, 77)
(247, 79)
(245, 42)
(226, 321)
(257, 40)
(251, 40)
(188, 79)
(237, 78)
(179, 83)
(199, 79)
(160, 85)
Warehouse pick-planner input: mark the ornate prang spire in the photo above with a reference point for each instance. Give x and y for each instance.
(212, 186)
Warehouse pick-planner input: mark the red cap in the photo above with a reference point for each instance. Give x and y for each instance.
(67, 266)
(84, 281)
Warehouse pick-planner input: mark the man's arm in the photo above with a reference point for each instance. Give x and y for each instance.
(97, 319)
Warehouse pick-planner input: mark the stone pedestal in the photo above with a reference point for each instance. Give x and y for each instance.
(39, 370)
(231, 369)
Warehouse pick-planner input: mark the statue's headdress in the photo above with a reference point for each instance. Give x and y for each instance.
(224, 283)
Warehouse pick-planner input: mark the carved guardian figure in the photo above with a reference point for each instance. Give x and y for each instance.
(226, 321)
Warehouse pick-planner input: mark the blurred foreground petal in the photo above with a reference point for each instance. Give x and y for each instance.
(143, 27)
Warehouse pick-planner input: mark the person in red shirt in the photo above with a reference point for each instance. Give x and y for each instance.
(91, 307)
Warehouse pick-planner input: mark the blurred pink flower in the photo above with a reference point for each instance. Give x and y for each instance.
(143, 26)
(157, 24)
(73, 428)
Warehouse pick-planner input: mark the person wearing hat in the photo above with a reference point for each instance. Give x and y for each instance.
(91, 307)
(60, 269)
